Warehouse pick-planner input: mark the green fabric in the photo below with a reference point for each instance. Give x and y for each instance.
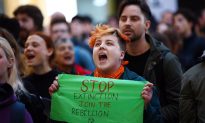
(85, 99)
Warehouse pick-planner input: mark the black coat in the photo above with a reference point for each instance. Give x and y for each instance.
(192, 97)
(34, 105)
(163, 69)
(152, 113)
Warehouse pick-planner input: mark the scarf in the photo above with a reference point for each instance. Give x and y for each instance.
(115, 75)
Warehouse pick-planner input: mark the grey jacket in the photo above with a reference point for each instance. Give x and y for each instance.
(192, 98)
(164, 70)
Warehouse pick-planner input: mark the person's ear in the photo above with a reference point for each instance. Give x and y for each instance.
(10, 62)
(50, 51)
(122, 55)
(190, 24)
(147, 25)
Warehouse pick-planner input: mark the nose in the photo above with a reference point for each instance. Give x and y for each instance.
(21, 23)
(102, 46)
(67, 50)
(176, 24)
(26, 49)
(29, 47)
(127, 22)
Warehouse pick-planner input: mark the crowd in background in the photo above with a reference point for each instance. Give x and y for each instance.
(41, 53)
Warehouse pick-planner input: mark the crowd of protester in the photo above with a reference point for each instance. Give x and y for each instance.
(168, 54)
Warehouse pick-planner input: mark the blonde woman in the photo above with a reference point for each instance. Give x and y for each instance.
(9, 83)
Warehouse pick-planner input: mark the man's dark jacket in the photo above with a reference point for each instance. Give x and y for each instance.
(164, 70)
(192, 97)
(152, 113)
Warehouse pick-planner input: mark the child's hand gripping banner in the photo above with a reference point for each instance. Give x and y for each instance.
(86, 99)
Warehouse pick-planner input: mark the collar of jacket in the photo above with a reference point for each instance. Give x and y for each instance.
(202, 58)
(155, 54)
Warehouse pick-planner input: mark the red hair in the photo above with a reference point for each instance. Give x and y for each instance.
(101, 30)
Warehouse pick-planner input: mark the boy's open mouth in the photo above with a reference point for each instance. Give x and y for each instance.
(102, 57)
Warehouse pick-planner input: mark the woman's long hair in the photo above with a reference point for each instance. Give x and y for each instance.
(13, 77)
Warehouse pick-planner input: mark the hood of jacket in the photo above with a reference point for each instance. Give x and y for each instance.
(7, 96)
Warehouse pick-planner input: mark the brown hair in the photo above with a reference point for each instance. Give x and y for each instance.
(32, 11)
(11, 40)
(142, 4)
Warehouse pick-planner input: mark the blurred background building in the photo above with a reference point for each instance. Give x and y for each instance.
(99, 10)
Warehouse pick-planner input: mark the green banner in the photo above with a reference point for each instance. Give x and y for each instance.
(86, 99)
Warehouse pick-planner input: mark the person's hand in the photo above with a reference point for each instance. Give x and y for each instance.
(54, 87)
(147, 93)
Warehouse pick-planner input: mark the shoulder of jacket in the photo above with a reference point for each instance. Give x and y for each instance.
(130, 75)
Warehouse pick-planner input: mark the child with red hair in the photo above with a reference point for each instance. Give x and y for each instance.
(108, 45)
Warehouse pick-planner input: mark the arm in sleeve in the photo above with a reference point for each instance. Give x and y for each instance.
(172, 85)
(152, 113)
(188, 109)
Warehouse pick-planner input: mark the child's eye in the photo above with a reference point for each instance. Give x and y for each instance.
(97, 44)
(109, 44)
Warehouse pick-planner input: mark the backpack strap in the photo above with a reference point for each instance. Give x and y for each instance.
(17, 113)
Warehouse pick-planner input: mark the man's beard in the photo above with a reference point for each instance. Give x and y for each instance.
(135, 38)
